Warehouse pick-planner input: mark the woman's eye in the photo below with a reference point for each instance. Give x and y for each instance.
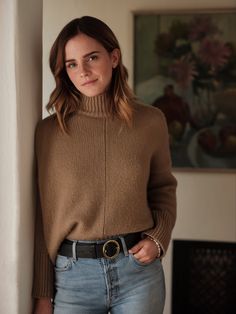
(91, 58)
(71, 65)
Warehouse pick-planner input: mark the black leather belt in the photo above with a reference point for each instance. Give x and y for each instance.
(110, 248)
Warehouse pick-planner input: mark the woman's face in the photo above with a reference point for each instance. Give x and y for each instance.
(89, 65)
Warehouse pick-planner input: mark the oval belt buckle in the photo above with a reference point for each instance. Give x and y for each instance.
(114, 246)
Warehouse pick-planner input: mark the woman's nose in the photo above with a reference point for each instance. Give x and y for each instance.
(84, 70)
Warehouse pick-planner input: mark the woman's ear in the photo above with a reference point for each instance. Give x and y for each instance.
(115, 57)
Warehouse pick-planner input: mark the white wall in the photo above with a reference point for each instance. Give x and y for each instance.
(8, 160)
(206, 201)
(206, 211)
(21, 101)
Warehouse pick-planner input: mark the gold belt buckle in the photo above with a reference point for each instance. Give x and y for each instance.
(116, 248)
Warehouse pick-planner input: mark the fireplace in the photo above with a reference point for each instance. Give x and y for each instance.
(203, 277)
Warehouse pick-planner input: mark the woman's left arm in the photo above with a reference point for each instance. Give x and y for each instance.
(161, 193)
(161, 190)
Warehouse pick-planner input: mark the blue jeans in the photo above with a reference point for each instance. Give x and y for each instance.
(100, 286)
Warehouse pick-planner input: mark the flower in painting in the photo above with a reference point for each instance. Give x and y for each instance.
(183, 71)
(214, 53)
(200, 27)
(193, 53)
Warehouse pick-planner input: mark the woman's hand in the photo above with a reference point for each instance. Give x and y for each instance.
(43, 306)
(145, 251)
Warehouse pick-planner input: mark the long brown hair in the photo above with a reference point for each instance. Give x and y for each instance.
(65, 98)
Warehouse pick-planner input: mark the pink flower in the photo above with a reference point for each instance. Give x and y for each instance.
(183, 71)
(200, 27)
(214, 53)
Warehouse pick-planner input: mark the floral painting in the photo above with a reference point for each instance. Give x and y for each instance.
(185, 65)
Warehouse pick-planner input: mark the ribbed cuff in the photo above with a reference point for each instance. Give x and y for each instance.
(43, 285)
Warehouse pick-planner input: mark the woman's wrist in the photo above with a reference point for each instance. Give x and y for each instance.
(159, 249)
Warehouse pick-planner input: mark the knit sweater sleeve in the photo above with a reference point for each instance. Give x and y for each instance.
(43, 267)
(43, 277)
(161, 189)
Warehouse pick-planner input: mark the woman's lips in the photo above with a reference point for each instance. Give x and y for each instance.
(89, 82)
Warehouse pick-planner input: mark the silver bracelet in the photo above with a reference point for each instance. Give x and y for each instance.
(158, 246)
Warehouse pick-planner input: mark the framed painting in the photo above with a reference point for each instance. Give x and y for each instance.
(185, 65)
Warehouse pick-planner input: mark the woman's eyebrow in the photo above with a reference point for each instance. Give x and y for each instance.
(90, 53)
(85, 56)
(69, 60)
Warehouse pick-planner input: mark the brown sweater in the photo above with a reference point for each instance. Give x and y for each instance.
(104, 179)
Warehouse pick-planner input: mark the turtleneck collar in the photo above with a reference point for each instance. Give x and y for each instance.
(96, 106)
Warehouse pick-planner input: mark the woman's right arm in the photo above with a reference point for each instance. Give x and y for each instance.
(43, 270)
(43, 277)
(43, 306)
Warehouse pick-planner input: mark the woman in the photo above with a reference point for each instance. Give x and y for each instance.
(106, 206)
